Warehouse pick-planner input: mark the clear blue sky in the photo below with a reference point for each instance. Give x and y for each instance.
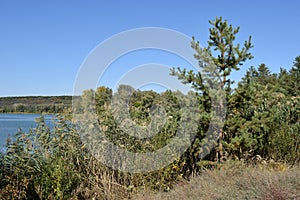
(43, 43)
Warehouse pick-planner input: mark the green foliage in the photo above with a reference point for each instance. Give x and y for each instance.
(263, 117)
(230, 56)
(225, 56)
(221, 49)
(43, 163)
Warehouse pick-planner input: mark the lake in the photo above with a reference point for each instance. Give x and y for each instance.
(11, 123)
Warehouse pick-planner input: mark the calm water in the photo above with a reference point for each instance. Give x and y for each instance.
(11, 123)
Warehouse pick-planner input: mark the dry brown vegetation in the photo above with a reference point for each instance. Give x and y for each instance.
(234, 180)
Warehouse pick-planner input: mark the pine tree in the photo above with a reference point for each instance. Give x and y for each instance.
(229, 57)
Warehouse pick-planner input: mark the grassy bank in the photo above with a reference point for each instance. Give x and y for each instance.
(234, 180)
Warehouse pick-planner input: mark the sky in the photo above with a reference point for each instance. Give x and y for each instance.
(43, 44)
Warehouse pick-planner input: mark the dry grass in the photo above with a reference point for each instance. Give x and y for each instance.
(236, 181)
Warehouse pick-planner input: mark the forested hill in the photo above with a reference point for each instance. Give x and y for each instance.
(35, 104)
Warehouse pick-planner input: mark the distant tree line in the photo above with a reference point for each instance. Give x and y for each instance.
(35, 104)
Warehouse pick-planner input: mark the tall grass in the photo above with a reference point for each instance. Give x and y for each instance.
(235, 180)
